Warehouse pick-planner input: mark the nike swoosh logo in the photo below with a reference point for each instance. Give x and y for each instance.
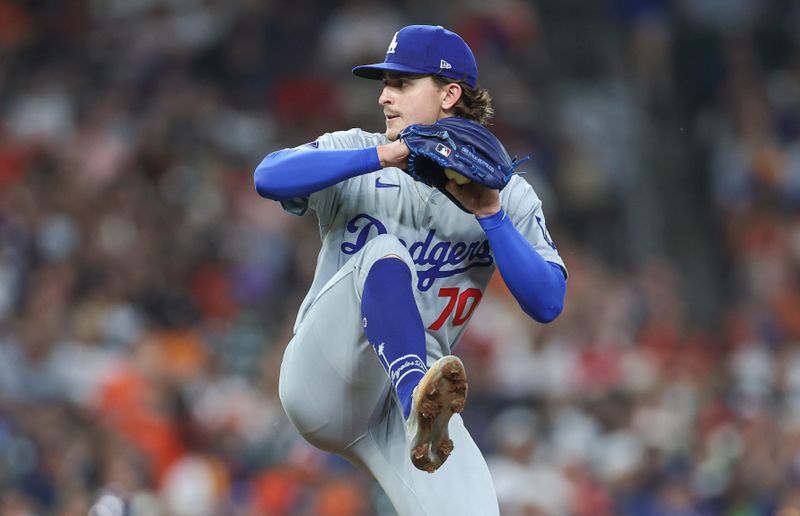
(378, 184)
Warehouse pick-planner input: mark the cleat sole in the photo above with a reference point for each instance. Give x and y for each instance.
(441, 393)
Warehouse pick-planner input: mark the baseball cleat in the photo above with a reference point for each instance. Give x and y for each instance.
(441, 393)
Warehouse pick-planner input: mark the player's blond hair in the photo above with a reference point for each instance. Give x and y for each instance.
(475, 103)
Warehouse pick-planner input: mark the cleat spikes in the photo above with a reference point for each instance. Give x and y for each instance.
(441, 393)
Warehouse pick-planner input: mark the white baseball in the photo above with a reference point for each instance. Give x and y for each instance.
(455, 176)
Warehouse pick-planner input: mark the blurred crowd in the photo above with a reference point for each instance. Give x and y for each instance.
(147, 292)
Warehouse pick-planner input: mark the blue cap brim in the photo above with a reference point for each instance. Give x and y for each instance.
(375, 71)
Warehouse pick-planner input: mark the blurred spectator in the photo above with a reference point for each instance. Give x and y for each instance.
(518, 465)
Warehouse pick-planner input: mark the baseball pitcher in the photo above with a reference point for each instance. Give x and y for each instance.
(413, 223)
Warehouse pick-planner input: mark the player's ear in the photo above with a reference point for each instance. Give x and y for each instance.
(451, 93)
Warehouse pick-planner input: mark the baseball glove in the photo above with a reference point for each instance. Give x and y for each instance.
(460, 149)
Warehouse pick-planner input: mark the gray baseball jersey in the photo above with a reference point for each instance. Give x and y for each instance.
(450, 250)
(331, 385)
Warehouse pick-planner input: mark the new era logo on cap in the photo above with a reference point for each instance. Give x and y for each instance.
(427, 50)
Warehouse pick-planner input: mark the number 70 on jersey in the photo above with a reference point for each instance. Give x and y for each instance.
(460, 303)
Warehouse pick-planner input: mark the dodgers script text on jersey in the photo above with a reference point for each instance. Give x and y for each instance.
(439, 260)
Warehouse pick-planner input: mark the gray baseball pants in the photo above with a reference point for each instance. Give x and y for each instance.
(338, 396)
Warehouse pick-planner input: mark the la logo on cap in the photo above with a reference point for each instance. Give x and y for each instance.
(392, 45)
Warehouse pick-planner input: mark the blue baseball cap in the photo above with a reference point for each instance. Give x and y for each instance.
(426, 49)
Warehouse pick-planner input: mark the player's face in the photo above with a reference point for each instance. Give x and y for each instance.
(409, 99)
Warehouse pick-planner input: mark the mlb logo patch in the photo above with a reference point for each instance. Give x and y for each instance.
(444, 150)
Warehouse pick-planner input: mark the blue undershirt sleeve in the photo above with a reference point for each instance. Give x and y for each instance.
(537, 285)
(291, 173)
